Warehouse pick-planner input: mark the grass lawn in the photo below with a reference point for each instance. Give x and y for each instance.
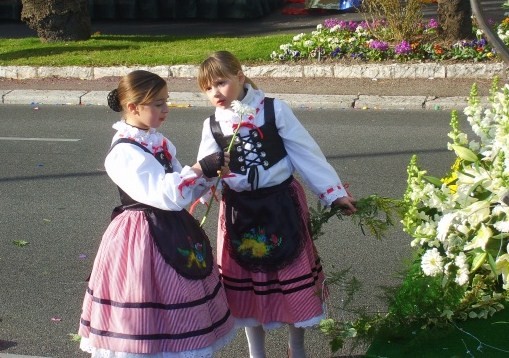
(124, 50)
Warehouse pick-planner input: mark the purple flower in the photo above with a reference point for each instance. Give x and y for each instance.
(403, 48)
(350, 25)
(330, 23)
(481, 42)
(343, 25)
(379, 45)
(432, 24)
(336, 52)
(364, 25)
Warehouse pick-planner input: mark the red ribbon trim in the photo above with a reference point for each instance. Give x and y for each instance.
(248, 125)
(186, 183)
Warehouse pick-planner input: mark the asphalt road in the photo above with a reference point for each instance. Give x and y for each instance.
(56, 196)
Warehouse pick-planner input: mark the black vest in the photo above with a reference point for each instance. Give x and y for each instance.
(267, 145)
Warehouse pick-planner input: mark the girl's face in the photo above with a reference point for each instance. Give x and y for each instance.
(223, 91)
(150, 115)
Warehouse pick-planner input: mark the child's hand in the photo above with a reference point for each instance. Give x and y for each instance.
(225, 170)
(197, 169)
(212, 164)
(346, 204)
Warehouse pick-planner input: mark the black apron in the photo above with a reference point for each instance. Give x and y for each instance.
(263, 227)
(177, 235)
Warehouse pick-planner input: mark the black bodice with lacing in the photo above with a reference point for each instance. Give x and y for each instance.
(262, 147)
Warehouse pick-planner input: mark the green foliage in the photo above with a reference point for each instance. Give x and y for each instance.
(375, 214)
(20, 243)
(400, 17)
(421, 300)
(338, 331)
(74, 337)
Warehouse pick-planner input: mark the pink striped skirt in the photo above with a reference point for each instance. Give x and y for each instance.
(293, 294)
(135, 302)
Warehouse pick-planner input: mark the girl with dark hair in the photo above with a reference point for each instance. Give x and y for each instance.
(154, 290)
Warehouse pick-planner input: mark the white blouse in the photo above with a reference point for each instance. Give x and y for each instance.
(304, 155)
(143, 178)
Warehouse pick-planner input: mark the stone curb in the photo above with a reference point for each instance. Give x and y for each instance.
(192, 99)
(372, 71)
(304, 101)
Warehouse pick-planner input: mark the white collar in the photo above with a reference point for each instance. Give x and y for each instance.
(252, 98)
(148, 137)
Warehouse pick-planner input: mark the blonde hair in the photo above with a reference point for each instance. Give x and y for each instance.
(220, 64)
(138, 87)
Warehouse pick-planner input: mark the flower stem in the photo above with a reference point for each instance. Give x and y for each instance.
(228, 149)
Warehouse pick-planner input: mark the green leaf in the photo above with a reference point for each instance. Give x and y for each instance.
(75, 337)
(475, 186)
(493, 266)
(464, 153)
(20, 243)
(500, 236)
(479, 259)
(433, 180)
(336, 344)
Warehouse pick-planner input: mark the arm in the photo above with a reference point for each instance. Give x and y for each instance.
(143, 178)
(307, 158)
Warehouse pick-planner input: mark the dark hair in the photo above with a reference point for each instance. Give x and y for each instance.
(139, 87)
(220, 64)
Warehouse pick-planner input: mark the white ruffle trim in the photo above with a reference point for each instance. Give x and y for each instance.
(150, 138)
(251, 322)
(207, 352)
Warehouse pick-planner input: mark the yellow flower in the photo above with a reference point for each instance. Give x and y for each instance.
(449, 180)
(193, 260)
(258, 249)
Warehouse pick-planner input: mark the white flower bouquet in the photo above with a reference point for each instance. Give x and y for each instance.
(460, 223)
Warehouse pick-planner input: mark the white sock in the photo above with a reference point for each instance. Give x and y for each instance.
(296, 342)
(256, 341)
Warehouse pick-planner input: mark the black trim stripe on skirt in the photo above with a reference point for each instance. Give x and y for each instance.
(156, 305)
(160, 336)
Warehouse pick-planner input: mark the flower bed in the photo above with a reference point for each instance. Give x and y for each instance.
(336, 40)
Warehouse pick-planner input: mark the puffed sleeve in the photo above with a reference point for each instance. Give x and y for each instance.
(307, 157)
(143, 178)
